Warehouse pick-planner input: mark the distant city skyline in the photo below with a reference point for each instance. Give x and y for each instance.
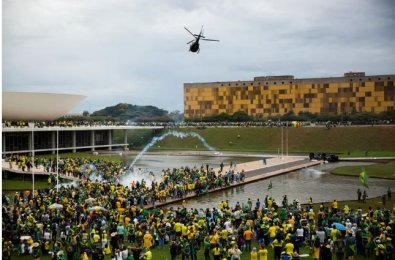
(135, 51)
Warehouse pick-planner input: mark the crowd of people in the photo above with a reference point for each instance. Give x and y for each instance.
(63, 123)
(194, 124)
(82, 168)
(173, 183)
(102, 217)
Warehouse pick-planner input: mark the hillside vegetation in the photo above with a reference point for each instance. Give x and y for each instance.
(124, 111)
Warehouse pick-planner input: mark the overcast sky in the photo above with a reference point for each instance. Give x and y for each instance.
(135, 51)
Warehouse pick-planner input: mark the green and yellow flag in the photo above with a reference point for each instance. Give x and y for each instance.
(270, 185)
(363, 178)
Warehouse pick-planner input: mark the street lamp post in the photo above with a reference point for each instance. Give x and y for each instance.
(57, 160)
(282, 142)
(32, 147)
(286, 139)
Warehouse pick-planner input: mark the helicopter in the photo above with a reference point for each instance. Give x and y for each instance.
(194, 47)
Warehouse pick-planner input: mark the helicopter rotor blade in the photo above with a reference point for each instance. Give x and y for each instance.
(211, 40)
(190, 41)
(190, 32)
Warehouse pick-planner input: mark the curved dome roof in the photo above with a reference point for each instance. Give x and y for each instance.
(37, 106)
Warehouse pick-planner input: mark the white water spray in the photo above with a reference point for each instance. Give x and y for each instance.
(173, 133)
(67, 184)
(141, 174)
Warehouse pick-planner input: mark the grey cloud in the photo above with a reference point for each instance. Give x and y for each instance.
(136, 52)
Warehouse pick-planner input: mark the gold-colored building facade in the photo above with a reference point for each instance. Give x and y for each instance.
(278, 95)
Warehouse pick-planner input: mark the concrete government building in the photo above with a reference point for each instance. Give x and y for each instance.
(38, 107)
(278, 95)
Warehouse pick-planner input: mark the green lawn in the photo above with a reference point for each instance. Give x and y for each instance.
(346, 141)
(354, 204)
(385, 171)
(23, 184)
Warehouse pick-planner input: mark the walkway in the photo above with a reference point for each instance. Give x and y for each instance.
(37, 171)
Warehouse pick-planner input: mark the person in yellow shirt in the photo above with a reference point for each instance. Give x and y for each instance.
(254, 254)
(224, 236)
(184, 231)
(334, 207)
(148, 254)
(214, 239)
(262, 253)
(96, 238)
(216, 252)
(289, 247)
(148, 239)
(178, 228)
(278, 246)
(311, 215)
(333, 233)
(272, 232)
(84, 256)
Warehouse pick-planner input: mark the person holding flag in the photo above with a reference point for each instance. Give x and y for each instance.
(363, 178)
(270, 186)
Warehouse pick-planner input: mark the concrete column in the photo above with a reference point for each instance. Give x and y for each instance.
(110, 139)
(93, 140)
(74, 141)
(30, 144)
(53, 142)
(3, 143)
(125, 139)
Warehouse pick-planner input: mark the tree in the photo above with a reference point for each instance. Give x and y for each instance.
(176, 116)
(240, 116)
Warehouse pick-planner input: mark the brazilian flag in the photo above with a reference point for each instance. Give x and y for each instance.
(270, 185)
(363, 178)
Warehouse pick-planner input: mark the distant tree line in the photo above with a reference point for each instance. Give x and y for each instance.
(362, 118)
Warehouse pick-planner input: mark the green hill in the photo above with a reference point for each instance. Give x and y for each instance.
(124, 111)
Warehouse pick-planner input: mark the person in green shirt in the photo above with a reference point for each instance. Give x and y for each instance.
(206, 248)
